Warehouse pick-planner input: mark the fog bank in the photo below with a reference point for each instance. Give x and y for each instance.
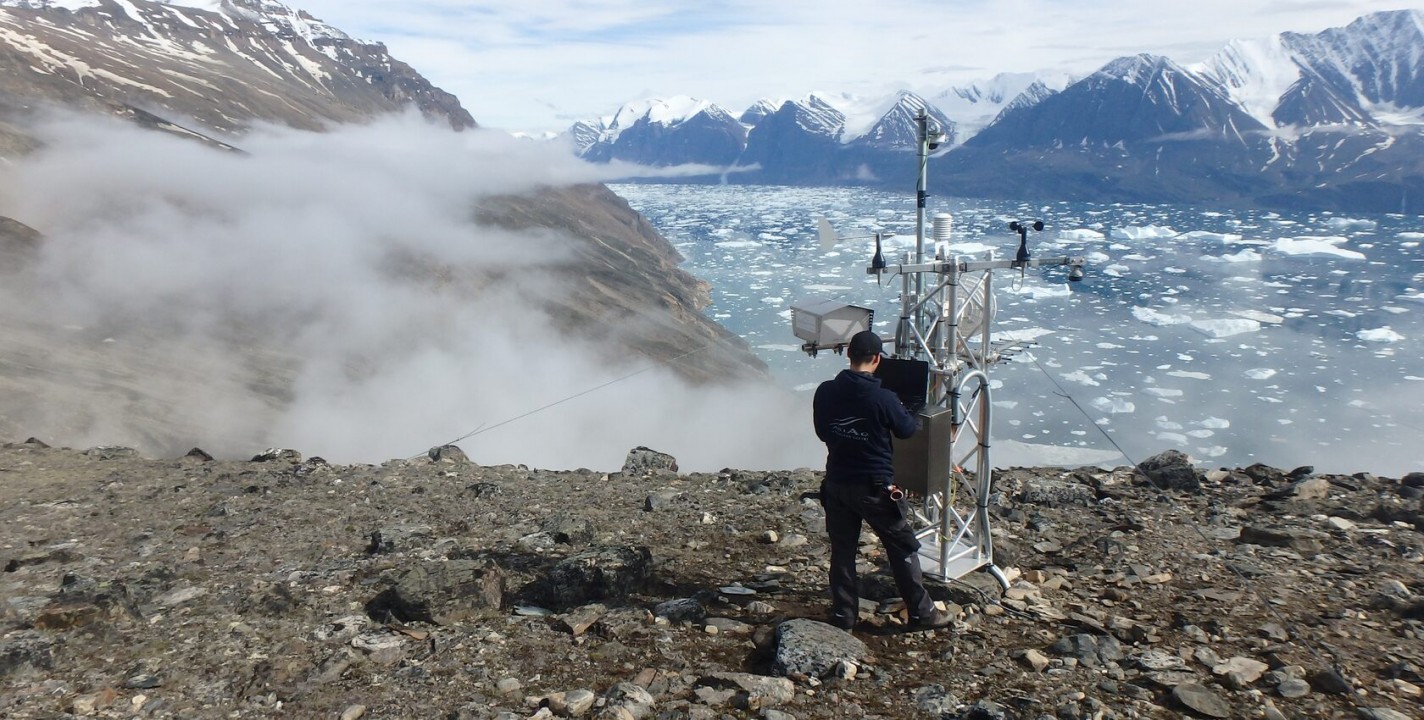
(332, 293)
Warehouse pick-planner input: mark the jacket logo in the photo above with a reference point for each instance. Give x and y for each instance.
(845, 428)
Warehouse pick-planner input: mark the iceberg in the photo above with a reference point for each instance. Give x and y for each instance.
(1218, 237)
(1148, 232)
(1305, 246)
(1082, 234)
(1383, 335)
(1225, 327)
(1113, 405)
(1160, 319)
(1245, 256)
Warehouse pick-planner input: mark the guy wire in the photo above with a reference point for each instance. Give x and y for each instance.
(482, 429)
(1253, 589)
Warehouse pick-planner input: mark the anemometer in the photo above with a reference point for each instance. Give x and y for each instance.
(943, 350)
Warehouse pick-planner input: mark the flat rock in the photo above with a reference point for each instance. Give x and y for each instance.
(595, 575)
(441, 592)
(1201, 700)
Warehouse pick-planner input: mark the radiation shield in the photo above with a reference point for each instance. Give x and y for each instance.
(828, 324)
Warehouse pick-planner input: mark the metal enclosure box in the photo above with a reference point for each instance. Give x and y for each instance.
(827, 323)
(924, 461)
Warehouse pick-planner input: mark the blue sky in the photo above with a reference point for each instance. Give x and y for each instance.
(536, 65)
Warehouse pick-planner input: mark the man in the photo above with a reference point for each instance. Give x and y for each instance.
(855, 417)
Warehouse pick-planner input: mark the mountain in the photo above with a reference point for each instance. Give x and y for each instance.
(1331, 120)
(676, 131)
(975, 106)
(221, 64)
(209, 71)
(898, 127)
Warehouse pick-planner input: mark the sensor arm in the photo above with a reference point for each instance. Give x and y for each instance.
(964, 266)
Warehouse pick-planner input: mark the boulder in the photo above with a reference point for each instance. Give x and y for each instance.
(441, 592)
(448, 454)
(644, 461)
(598, 574)
(1172, 470)
(813, 649)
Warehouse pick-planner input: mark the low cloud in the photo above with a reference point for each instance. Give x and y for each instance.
(333, 293)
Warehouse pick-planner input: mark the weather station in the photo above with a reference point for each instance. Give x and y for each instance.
(943, 349)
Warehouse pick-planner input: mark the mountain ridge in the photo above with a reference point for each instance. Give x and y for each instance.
(1229, 130)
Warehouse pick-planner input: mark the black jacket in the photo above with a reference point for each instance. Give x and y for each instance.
(855, 417)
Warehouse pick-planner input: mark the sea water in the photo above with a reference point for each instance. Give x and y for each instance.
(1235, 336)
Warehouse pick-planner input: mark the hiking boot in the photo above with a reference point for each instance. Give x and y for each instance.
(840, 621)
(937, 619)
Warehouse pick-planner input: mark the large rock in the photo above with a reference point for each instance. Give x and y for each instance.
(598, 574)
(642, 461)
(813, 649)
(1172, 470)
(441, 592)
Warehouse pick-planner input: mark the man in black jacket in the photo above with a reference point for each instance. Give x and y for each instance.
(855, 417)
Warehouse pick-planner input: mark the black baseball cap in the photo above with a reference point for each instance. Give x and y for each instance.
(864, 345)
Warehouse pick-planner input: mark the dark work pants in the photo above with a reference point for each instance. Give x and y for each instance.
(847, 504)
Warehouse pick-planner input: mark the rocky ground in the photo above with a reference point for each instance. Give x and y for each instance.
(437, 587)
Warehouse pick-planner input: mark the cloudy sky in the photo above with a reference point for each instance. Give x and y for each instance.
(541, 64)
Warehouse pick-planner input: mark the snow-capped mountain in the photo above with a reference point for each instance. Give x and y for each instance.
(898, 127)
(1370, 72)
(1131, 99)
(674, 131)
(1327, 120)
(221, 63)
(975, 106)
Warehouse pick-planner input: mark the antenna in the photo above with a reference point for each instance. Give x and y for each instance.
(943, 352)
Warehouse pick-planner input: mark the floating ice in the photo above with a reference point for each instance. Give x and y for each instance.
(1160, 319)
(1082, 378)
(1343, 223)
(1190, 375)
(1260, 317)
(1215, 423)
(1165, 424)
(1176, 439)
(1225, 327)
(1411, 235)
(1113, 405)
(738, 244)
(1305, 246)
(1164, 392)
(1081, 234)
(1245, 256)
(1204, 235)
(1097, 258)
(1041, 292)
(1384, 334)
(1147, 232)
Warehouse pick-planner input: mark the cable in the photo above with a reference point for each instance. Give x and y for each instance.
(1206, 541)
(482, 429)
